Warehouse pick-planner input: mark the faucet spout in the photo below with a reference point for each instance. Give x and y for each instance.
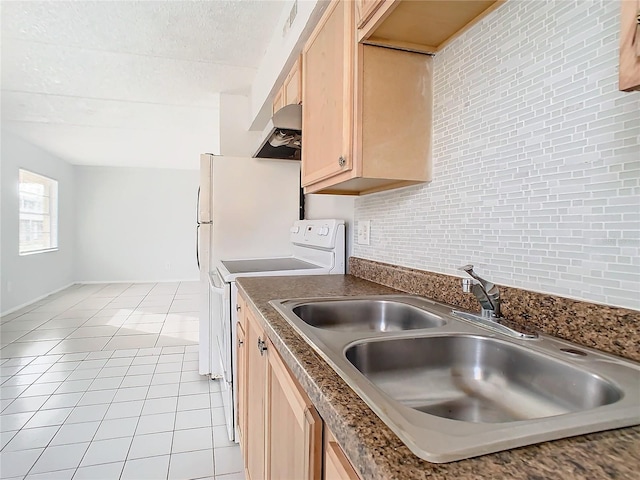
(486, 292)
(485, 301)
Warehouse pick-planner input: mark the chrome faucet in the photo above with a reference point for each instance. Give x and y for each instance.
(486, 292)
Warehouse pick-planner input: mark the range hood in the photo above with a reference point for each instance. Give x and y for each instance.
(282, 138)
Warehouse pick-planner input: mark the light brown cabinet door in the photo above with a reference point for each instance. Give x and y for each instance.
(366, 115)
(278, 101)
(292, 88)
(336, 464)
(365, 9)
(241, 352)
(280, 429)
(327, 95)
(393, 114)
(290, 92)
(255, 399)
(294, 429)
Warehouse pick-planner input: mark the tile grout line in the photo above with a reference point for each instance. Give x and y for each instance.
(72, 357)
(48, 443)
(62, 424)
(174, 295)
(56, 317)
(175, 418)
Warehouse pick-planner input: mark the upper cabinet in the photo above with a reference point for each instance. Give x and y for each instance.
(629, 78)
(367, 91)
(327, 95)
(366, 118)
(292, 87)
(291, 91)
(365, 9)
(421, 26)
(278, 100)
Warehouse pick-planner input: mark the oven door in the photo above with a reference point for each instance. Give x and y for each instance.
(221, 328)
(219, 315)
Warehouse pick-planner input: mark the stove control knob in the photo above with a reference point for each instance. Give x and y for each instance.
(324, 231)
(294, 229)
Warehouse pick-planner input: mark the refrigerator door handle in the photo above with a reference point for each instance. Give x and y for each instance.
(198, 221)
(198, 245)
(198, 229)
(198, 208)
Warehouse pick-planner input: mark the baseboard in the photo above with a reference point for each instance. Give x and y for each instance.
(11, 310)
(94, 282)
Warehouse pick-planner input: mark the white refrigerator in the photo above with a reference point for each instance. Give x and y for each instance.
(246, 207)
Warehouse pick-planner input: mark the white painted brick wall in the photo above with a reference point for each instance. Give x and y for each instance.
(536, 159)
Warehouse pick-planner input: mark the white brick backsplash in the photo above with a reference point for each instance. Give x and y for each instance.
(536, 159)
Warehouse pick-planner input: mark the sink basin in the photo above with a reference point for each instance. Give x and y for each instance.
(478, 379)
(452, 388)
(368, 315)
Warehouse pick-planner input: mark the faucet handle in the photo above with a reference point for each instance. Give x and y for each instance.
(466, 268)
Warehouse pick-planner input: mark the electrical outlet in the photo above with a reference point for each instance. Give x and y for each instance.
(364, 232)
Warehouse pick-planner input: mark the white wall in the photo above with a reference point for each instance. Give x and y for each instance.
(28, 277)
(536, 159)
(235, 139)
(136, 224)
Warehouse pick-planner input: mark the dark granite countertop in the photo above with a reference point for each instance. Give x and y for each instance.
(376, 451)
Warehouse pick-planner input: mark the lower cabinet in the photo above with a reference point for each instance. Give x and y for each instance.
(293, 427)
(336, 463)
(254, 401)
(281, 433)
(241, 384)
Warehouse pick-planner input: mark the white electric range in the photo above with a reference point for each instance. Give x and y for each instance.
(318, 248)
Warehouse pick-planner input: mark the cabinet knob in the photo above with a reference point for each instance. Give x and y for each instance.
(238, 308)
(342, 161)
(240, 343)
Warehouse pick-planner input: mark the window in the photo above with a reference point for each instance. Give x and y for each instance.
(38, 213)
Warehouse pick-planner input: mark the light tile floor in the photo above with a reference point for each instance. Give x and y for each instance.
(101, 382)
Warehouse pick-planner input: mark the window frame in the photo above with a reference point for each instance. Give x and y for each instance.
(51, 213)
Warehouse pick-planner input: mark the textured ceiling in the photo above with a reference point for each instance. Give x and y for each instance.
(131, 83)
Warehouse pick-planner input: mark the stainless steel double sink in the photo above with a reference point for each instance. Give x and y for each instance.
(451, 388)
